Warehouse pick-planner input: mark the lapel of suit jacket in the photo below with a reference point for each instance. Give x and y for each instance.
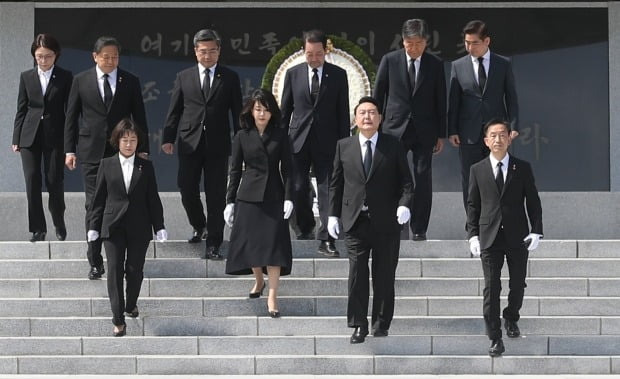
(35, 82)
(377, 157)
(216, 83)
(324, 82)
(469, 70)
(305, 82)
(512, 167)
(260, 141)
(135, 174)
(404, 72)
(356, 151)
(421, 72)
(491, 73)
(93, 82)
(487, 175)
(196, 87)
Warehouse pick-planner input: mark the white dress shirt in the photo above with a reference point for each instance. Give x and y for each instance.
(111, 79)
(416, 64)
(44, 78)
(311, 74)
(201, 70)
(486, 61)
(127, 166)
(364, 147)
(504, 165)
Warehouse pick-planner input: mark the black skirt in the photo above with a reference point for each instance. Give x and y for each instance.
(259, 238)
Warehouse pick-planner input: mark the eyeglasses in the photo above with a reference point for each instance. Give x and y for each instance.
(39, 57)
(208, 52)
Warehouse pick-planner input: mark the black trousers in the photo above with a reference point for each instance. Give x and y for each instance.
(53, 160)
(492, 262)
(322, 165)
(470, 154)
(361, 240)
(214, 170)
(125, 255)
(89, 172)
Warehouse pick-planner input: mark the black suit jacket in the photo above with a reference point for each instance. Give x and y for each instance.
(329, 116)
(387, 187)
(267, 173)
(189, 111)
(469, 108)
(139, 210)
(91, 135)
(35, 110)
(487, 209)
(425, 105)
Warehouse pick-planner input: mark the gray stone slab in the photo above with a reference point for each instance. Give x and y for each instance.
(308, 248)
(549, 325)
(199, 287)
(44, 307)
(293, 306)
(549, 286)
(40, 346)
(598, 248)
(261, 345)
(584, 345)
(479, 345)
(303, 267)
(437, 325)
(339, 268)
(77, 364)
(150, 306)
(79, 326)
(610, 325)
(77, 250)
(290, 286)
(303, 326)
(472, 305)
(436, 286)
(392, 345)
(75, 287)
(200, 326)
(8, 365)
(436, 365)
(314, 365)
(579, 306)
(31, 269)
(551, 365)
(575, 268)
(14, 327)
(140, 346)
(198, 365)
(24, 250)
(181, 249)
(172, 268)
(337, 306)
(451, 268)
(19, 288)
(604, 286)
(434, 249)
(556, 249)
(615, 365)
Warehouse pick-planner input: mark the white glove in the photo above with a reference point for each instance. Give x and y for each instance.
(161, 235)
(229, 214)
(92, 235)
(332, 226)
(532, 240)
(402, 214)
(288, 209)
(474, 246)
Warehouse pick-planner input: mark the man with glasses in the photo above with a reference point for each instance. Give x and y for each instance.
(205, 102)
(100, 97)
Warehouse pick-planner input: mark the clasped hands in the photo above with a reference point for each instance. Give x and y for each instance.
(532, 240)
(229, 212)
(161, 235)
(333, 228)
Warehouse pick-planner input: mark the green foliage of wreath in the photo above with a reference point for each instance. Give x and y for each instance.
(296, 43)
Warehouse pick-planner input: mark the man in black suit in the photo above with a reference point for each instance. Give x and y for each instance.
(100, 97)
(205, 102)
(411, 91)
(38, 134)
(482, 87)
(370, 192)
(497, 225)
(315, 109)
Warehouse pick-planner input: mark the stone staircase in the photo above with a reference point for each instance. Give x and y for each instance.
(196, 320)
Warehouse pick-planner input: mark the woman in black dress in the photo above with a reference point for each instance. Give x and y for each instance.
(259, 198)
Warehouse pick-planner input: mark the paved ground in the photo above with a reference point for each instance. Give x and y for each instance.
(309, 376)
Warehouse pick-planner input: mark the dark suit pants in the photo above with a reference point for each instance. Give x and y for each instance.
(121, 242)
(53, 160)
(322, 165)
(422, 172)
(214, 169)
(361, 240)
(470, 154)
(492, 262)
(89, 171)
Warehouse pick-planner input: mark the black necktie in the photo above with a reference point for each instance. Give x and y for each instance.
(107, 91)
(206, 84)
(412, 75)
(482, 75)
(314, 87)
(499, 177)
(368, 158)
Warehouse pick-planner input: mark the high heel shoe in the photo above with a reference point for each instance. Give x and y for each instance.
(134, 313)
(274, 314)
(256, 295)
(119, 332)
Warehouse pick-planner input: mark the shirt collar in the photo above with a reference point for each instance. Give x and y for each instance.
(486, 56)
(202, 68)
(130, 160)
(409, 59)
(504, 161)
(319, 70)
(111, 75)
(47, 73)
(363, 139)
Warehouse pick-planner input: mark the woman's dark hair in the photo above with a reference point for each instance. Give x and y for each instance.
(124, 127)
(47, 41)
(267, 100)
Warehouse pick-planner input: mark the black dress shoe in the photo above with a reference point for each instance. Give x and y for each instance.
(512, 329)
(306, 236)
(134, 313)
(497, 348)
(213, 252)
(61, 233)
(419, 237)
(328, 249)
(96, 272)
(118, 332)
(380, 333)
(37, 236)
(256, 295)
(274, 314)
(359, 335)
(198, 235)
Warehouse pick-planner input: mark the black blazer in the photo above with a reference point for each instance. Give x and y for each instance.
(425, 105)
(91, 135)
(329, 116)
(487, 209)
(387, 187)
(267, 173)
(189, 111)
(34, 109)
(469, 109)
(139, 210)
